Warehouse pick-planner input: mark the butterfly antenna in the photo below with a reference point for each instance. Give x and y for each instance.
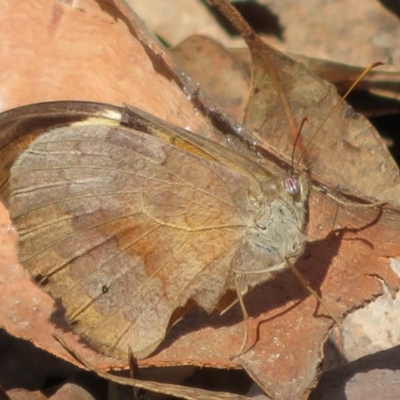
(304, 120)
(354, 84)
(361, 76)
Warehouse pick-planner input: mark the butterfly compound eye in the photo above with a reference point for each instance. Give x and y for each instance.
(292, 185)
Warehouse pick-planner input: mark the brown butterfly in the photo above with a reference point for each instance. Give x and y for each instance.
(129, 221)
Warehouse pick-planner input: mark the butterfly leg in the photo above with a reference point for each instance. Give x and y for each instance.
(286, 264)
(245, 318)
(312, 291)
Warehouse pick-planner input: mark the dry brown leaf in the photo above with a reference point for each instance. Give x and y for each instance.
(195, 18)
(374, 327)
(86, 50)
(22, 394)
(340, 31)
(349, 279)
(376, 94)
(372, 377)
(175, 20)
(345, 150)
(225, 81)
(272, 80)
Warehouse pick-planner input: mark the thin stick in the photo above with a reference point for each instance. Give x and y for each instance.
(181, 392)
